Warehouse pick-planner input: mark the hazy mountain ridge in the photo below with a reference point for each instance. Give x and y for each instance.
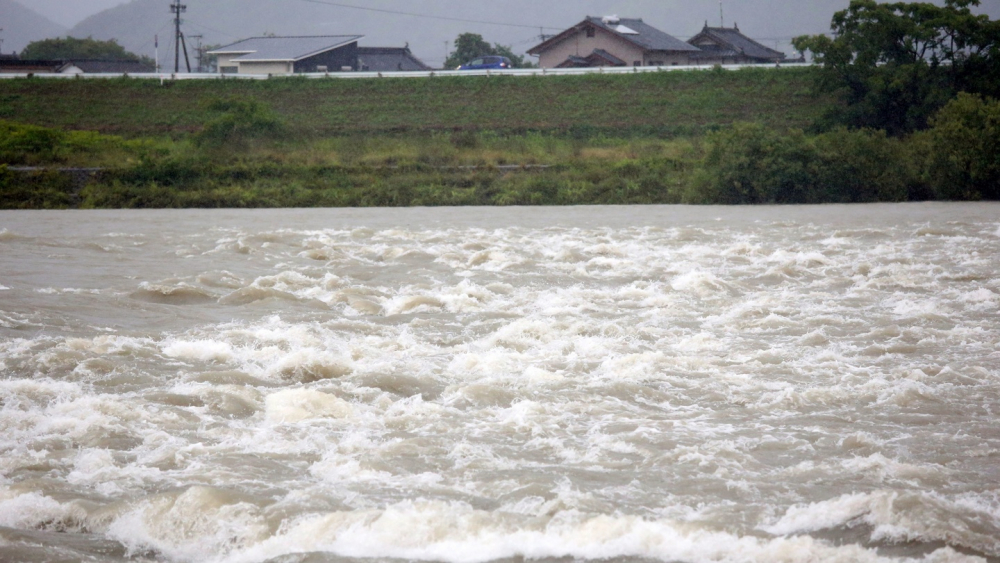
(22, 25)
(225, 21)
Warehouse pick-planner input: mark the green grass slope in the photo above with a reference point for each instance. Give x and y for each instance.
(656, 104)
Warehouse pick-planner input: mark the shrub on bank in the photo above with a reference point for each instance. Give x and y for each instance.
(30, 145)
(752, 164)
(35, 190)
(965, 149)
(239, 121)
(749, 163)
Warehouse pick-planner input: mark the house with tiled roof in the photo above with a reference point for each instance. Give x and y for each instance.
(389, 59)
(75, 66)
(289, 55)
(723, 45)
(613, 41)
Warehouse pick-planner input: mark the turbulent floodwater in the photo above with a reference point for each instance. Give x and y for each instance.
(472, 385)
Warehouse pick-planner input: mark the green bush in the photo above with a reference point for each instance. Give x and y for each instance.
(28, 144)
(31, 145)
(751, 164)
(241, 121)
(965, 155)
(862, 167)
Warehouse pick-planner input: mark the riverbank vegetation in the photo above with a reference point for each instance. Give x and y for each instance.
(256, 162)
(756, 136)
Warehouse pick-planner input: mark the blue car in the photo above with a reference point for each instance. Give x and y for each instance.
(491, 62)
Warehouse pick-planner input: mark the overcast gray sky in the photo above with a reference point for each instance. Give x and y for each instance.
(70, 12)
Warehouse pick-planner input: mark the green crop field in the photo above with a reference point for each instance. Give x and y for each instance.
(681, 103)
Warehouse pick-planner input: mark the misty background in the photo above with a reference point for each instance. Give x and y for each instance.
(429, 27)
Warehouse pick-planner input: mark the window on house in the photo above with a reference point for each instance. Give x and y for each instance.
(229, 69)
(591, 32)
(636, 63)
(322, 68)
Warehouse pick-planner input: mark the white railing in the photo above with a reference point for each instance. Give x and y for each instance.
(405, 74)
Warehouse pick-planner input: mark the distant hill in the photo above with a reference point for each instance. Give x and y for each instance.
(22, 26)
(226, 21)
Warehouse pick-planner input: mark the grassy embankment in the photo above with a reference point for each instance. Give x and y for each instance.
(294, 142)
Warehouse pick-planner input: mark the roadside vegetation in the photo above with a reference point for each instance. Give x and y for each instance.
(833, 134)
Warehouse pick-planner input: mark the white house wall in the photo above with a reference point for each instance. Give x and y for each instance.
(226, 61)
(579, 45)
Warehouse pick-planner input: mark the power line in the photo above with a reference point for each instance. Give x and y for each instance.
(206, 28)
(425, 16)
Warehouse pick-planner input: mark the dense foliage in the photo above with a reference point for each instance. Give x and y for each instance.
(72, 48)
(966, 149)
(898, 63)
(469, 46)
(750, 164)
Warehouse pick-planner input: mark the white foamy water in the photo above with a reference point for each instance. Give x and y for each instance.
(473, 385)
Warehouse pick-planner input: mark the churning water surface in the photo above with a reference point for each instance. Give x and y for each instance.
(684, 384)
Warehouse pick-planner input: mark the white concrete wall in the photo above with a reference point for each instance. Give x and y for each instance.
(266, 68)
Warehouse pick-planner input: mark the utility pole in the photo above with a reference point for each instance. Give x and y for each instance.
(199, 52)
(1, 42)
(177, 9)
(722, 15)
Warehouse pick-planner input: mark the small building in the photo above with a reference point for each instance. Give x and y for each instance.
(289, 55)
(75, 66)
(389, 59)
(106, 66)
(612, 41)
(723, 45)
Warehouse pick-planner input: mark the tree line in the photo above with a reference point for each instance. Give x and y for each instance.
(918, 116)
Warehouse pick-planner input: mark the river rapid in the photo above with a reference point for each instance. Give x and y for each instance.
(675, 384)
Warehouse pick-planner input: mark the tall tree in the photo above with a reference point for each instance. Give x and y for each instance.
(897, 63)
(470, 46)
(73, 48)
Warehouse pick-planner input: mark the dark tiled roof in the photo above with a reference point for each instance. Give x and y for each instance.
(18, 66)
(389, 59)
(645, 36)
(593, 59)
(731, 38)
(284, 48)
(88, 66)
(601, 53)
(715, 52)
